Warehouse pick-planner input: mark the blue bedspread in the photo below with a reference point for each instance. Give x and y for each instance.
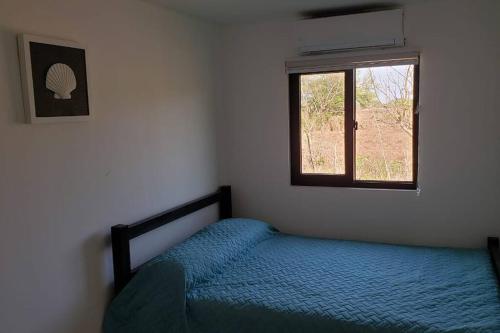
(240, 275)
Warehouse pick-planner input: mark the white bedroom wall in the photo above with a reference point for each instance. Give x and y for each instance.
(150, 146)
(459, 131)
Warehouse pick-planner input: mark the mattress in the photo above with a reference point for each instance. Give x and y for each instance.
(241, 275)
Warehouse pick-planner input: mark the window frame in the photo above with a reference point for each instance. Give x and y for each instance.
(348, 179)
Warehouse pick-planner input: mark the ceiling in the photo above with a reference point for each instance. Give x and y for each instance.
(245, 11)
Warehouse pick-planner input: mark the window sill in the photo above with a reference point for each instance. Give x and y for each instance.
(306, 181)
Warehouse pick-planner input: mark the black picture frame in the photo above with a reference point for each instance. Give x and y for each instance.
(54, 79)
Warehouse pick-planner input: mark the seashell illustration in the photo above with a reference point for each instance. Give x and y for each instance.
(61, 80)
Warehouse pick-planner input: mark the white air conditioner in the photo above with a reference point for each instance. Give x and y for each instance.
(382, 29)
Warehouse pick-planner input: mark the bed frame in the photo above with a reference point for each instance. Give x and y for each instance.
(121, 234)
(494, 250)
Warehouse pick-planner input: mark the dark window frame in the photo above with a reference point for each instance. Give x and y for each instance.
(347, 180)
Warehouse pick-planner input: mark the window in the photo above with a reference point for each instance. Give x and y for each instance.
(355, 127)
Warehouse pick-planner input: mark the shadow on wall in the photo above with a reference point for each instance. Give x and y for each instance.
(93, 290)
(96, 291)
(10, 74)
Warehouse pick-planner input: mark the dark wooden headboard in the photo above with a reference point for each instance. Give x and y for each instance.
(121, 234)
(494, 250)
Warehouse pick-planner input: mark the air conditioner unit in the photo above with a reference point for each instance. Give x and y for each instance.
(382, 29)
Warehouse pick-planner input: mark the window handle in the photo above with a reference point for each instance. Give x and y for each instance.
(355, 125)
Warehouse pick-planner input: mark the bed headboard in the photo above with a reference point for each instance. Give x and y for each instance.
(494, 250)
(121, 234)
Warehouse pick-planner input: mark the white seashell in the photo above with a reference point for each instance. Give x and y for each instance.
(61, 80)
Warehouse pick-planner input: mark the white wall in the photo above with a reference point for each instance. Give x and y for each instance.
(459, 130)
(151, 146)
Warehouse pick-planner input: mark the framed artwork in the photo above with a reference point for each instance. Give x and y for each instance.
(54, 80)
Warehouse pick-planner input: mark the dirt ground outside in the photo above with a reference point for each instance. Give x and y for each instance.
(383, 148)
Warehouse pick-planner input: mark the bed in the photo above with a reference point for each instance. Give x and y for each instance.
(242, 275)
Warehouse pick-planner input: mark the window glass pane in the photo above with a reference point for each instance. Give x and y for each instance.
(384, 112)
(322, 118)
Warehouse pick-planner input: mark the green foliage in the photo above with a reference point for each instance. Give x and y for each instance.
(365, 95)
(322, 109)
(370, 168)
(322, 98)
